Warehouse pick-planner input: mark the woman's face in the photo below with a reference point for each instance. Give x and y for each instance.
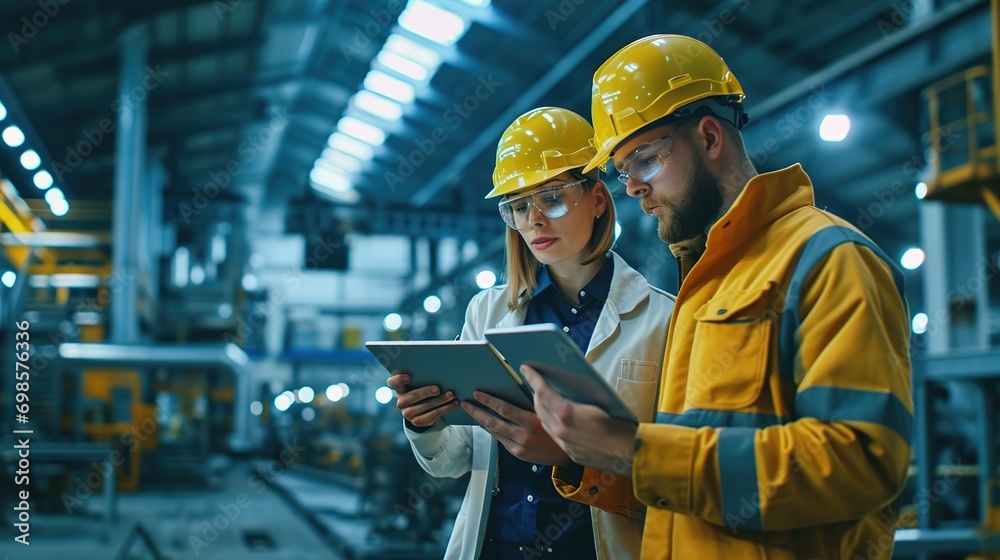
(560, 240)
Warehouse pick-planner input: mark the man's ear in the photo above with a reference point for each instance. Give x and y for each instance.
(711, 136)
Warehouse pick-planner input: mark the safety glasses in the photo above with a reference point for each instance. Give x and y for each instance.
(553, 202)
(645, 161)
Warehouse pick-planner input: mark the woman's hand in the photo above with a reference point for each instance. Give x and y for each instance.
(420, 406)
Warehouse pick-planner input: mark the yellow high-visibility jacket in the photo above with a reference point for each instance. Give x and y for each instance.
(784, 413)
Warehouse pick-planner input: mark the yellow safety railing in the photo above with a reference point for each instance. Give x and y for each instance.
(962, 139)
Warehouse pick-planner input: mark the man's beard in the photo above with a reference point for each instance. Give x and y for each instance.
(699, 206)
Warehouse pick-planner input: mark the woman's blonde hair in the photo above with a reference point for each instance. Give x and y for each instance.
(522, 266)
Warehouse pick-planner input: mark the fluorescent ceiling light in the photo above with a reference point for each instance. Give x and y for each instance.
(351, 146)
(402, 65)
(912, 258)
(341, 160)
(921, 190)
(329, 179)
(377, 105)
(59, 207)
(486, 279)
(411, 50)
(392, 322)
(3, 112)
(477, 3)
(834, 128)
(432, 22)
(919, 323)
(361, 130)
(383, 395)
(43, 179)
(13, 136)
(53, 195)
(432, 304)
(384, 84)
(30, 160)
(8, 278)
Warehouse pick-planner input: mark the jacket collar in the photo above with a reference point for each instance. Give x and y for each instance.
(628, 290)
(764, 199)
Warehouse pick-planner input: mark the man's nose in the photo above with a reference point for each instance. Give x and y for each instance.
(635, 188)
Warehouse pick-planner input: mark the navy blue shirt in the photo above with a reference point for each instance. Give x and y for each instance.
(528, 511)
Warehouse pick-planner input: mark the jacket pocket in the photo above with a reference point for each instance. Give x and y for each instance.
(637, 382)
(729, 355)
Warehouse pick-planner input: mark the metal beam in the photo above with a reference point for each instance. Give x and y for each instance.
(488, 136)
(74, 16)
(912, 39)
(55, 239)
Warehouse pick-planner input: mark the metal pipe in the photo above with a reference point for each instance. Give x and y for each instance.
(227, 356)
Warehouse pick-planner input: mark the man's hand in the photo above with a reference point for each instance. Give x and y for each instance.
(518, 430)
(588, 435)
(420, 406)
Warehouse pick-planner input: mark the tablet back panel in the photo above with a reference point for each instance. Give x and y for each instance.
(458, 366)
(553, 354)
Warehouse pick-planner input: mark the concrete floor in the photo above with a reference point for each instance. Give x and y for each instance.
(251, 521)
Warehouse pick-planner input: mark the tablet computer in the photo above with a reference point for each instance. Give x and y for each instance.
(457, 366)
(551, 352)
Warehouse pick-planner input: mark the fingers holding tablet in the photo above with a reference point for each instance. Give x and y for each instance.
(421, 405)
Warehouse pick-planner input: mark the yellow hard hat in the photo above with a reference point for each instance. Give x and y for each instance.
(540, 145)
(653, 78)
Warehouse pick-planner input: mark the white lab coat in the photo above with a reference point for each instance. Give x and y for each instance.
(626, 347)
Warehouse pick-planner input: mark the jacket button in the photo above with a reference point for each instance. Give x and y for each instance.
(721, 311)
(593, 490)
(662, 502)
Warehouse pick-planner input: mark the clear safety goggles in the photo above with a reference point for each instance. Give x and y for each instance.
(645, 161)
(553, 202)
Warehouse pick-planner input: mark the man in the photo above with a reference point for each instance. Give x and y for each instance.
(784, 412)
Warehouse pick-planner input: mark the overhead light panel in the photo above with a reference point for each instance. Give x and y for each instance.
(392, 322)
(351, 146)
(432, 22)
(43, 179)
(477, 3)
(13, 136)
(384, 84)
(486, 279)
(912, 258)
(402, 65)
(383, 395)
(379, 106)
(411, 50)
(432, 304)
(834, 128)
(361, 130)
(59, 208)
(52, 195)
(341, 160)
(30, 160)
(328, 179)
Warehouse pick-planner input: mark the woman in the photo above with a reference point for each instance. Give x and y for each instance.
(561, 229)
